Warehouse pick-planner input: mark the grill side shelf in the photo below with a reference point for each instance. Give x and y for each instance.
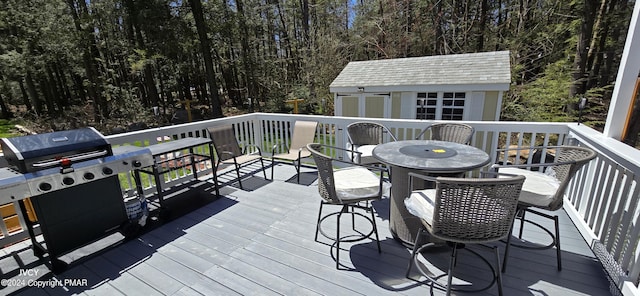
(161, 166)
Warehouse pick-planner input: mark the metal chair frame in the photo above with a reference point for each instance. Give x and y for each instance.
(568, 160)
(327, 190)
(228, 151)
(366, 133)
(297, 150)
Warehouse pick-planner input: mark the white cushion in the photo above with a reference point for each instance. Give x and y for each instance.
(421, 204)
(242, 158)
(538, 188)
(365, 156)
(356, 182)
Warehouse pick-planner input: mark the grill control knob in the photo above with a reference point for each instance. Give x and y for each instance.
(89, 176)
(44, 186)
(137, 164)
(107, 171)
(68, 181)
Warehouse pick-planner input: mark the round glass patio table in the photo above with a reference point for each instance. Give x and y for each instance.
(435, 158)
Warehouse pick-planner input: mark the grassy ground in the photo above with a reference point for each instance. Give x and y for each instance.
(7, 129)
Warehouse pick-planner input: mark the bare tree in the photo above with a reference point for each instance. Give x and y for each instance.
(198, 16)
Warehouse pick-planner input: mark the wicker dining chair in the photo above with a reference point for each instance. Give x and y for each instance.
(303, 133)
(544, 189)
(363, 137)
(463, 211)
(450, 132)
(229, 152)
(345, 187)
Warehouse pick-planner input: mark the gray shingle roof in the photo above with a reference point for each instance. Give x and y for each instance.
(456, 69)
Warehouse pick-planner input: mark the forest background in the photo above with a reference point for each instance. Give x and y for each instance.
(107, 63)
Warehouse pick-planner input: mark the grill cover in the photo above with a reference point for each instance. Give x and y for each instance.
(23, 152)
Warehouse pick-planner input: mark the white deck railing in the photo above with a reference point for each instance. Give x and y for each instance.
(602, 200)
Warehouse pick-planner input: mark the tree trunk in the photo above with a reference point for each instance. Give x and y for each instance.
(81, 92)
(500, 24)
(5, 112)
(484, 6)
(600, 30)
(33, 94)
(148, 79)
(89, 56)
(580, 61)
(608, 73)
(56, 98)
(438, 43)
(198, 16)
(247, 61)
(408, 49)
(25, 95)
(64, 86)
(49, 97)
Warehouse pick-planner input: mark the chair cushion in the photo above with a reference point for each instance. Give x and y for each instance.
(293, 155)
(356, 183)
(421, 204)
(538, 189)
(365, 156)
(242, 159)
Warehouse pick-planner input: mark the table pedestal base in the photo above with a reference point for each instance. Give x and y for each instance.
(402, 224)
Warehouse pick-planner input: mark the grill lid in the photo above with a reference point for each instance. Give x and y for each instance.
(34, 152)
(60, 142)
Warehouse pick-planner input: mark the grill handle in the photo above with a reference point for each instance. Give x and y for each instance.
(89, 155)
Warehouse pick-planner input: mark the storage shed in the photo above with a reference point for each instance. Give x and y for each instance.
(447, 87)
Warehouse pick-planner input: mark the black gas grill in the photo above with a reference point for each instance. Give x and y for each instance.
(72, 180)
(36, 152)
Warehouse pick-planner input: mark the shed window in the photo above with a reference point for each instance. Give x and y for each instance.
(427, 104)
(440, 106)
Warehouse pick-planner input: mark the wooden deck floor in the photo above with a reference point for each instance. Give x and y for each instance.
(261, 242)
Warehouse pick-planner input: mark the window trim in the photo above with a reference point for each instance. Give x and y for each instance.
(440, 98)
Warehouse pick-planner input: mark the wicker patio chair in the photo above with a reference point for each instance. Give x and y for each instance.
(228, 151)
(363, 137)
(346, 187)
(451, 132)
(303, 134)
(462, 211)
(545, 189)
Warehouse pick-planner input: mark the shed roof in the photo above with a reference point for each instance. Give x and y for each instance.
(481, 71)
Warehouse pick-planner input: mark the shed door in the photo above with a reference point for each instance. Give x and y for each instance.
(350, 106)
(375, 106)
(365, 105)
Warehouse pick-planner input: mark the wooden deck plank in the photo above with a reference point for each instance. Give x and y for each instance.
(238, 283)
(123, 282)
(289, 273)
(142, 270)
(261, 242)
(96, 284)
(266, 278)
(303, 260)
(192, 279)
